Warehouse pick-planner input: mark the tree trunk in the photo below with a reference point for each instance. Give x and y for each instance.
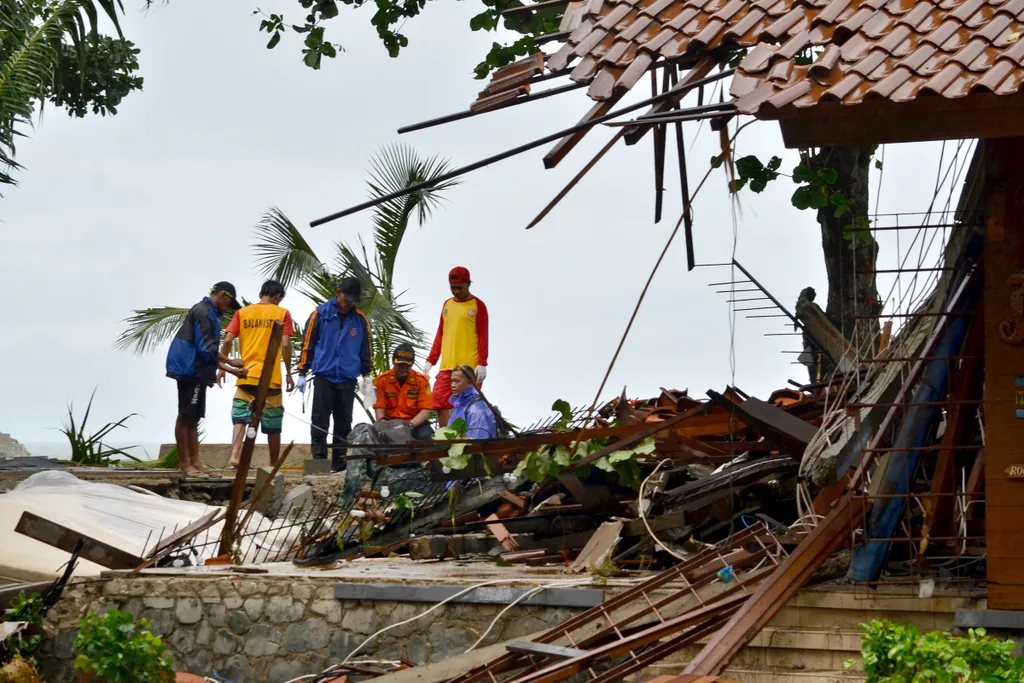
(850, 256)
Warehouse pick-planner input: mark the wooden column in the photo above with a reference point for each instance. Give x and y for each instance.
(1004, 372)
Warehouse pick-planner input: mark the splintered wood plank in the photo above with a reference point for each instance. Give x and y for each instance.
(63, 538)
(598, 548)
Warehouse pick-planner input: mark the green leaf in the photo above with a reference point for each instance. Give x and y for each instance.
(802, 197)
(878, 164)
(717, 160)
(604, 464)
(802, 174)
(538, 466)
(561, 455)
(460, 426)
(829, 175)
(749, 166)
(274, 40)
(445, 434)
(774, 163)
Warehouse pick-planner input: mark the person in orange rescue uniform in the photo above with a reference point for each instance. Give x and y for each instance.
(461, 339)
(404, 394)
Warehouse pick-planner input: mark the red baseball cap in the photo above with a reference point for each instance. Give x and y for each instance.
(458, 275)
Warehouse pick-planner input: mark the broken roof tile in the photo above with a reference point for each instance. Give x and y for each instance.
(893, 49)
(824, 64)
(572, 17)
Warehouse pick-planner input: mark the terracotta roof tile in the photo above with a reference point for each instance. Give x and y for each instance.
(866, 49)
(888, 85)
(896, 38)
(999, 71)
(1012, 83)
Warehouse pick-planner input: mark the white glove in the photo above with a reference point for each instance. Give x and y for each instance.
(367, 390)
(427, 368)
(481, 373)
(300, 384)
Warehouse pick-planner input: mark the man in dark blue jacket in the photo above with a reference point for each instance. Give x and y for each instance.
(192, 361)
(336, 349)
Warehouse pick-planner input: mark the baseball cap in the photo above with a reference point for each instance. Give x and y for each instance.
(350, 287)
(458, 274)
(404, 353)
(229, 289)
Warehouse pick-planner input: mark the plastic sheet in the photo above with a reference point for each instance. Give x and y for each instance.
(113, 514)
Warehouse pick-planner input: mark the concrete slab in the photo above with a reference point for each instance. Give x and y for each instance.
(485, 595)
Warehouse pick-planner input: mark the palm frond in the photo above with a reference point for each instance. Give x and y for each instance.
(393, 169)
(33, 39)
(146, 329)
(284, 254)
(379, 303)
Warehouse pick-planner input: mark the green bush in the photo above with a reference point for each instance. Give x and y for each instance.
(898, 653)
(23, 608)
(112, 648)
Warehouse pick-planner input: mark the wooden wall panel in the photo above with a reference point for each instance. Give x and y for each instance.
(1004, 364)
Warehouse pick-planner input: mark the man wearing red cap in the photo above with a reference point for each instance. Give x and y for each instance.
(461, 340)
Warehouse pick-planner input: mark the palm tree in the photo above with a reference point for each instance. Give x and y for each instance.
(284, 254)
(34, 34)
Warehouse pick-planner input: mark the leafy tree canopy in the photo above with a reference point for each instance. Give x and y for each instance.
(390, 18)
(52, 51)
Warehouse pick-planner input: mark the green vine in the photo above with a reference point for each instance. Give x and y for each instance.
(407, 501)
(551, 460)
(457, 458)
(815, 190)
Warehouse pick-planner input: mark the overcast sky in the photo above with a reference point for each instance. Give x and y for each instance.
(153, 206)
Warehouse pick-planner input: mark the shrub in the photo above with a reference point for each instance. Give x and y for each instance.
(898, 653)
(114, 649)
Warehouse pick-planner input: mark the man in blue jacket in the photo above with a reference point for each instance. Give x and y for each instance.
(336, 349)
(192, 361)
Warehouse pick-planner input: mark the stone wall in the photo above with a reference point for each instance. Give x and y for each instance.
(275, 629)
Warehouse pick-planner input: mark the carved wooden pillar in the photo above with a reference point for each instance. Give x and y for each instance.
(1004, 372)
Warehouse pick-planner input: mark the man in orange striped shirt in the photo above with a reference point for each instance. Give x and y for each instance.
(461, 339)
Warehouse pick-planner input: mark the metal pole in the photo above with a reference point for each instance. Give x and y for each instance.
(675, 92)
(238, 488)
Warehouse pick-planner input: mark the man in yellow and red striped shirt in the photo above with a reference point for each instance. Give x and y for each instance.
(461, 339)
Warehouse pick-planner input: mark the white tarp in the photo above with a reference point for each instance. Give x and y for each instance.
(106, 512)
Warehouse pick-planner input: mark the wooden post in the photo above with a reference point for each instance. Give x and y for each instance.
(242, 473)
(1004, 372)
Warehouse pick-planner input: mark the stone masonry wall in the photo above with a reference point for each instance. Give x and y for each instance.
(275, 629)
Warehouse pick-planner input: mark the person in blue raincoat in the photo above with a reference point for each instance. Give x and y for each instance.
(470, 406)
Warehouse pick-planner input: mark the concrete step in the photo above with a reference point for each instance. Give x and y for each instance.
(790, 648)
(848, 609)
(766, 675)
(812, 637)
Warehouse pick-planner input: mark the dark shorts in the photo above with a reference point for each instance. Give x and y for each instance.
(191, 400)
